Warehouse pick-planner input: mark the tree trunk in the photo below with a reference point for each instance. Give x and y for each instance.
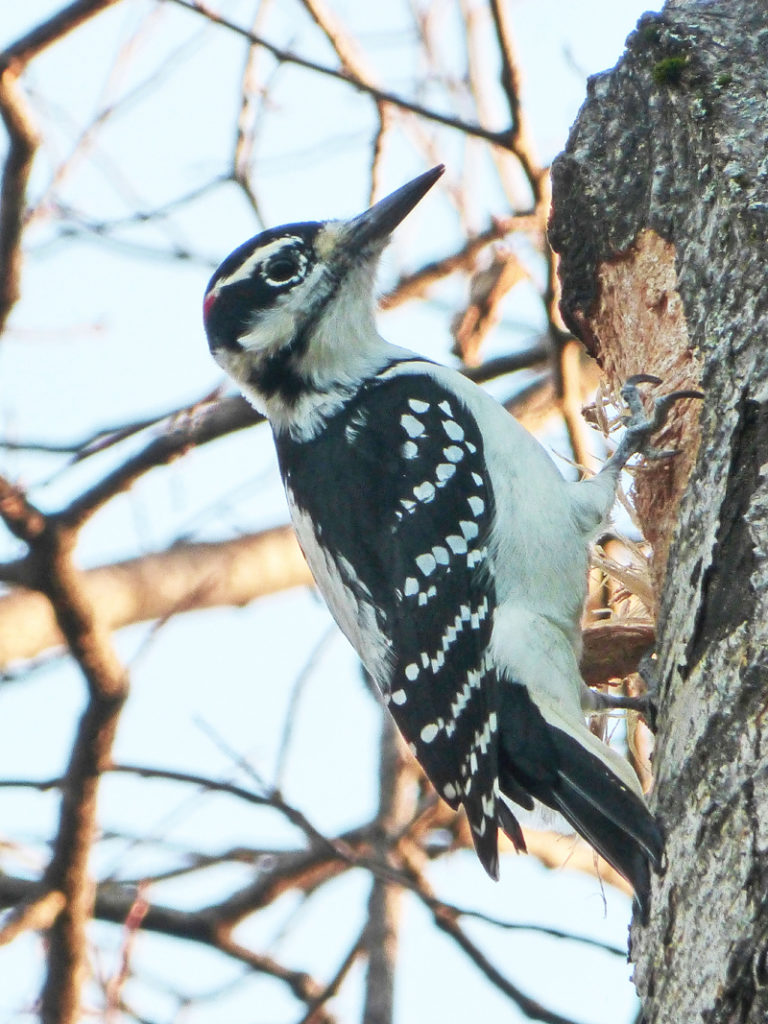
(661, 219)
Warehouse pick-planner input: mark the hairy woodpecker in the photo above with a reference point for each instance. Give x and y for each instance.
(449, 549)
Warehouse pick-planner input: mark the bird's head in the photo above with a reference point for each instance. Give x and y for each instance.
(289, 314)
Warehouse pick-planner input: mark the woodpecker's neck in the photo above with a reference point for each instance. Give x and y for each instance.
(300, 404)
(300, 385)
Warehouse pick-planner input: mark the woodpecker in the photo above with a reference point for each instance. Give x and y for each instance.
(448, 547)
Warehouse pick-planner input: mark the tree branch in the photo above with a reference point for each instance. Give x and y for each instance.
(396, 809)
(88, 640)
(23, 142)
(50, 31)
(502, 139)
(23, 139)
(414, 285)
(186, 577)
(200, 424)
(35, 914)
(446, 920)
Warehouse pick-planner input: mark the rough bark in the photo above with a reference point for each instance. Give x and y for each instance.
(661, 219)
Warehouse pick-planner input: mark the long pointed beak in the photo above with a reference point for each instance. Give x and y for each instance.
(376, 224)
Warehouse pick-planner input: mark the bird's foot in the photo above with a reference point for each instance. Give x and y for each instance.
(599, 702)
(648, 670)
(606, 702)
(640, 427)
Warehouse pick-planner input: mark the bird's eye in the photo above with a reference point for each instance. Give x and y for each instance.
(284, 267)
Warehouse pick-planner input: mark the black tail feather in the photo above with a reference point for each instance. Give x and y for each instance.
(485, 837)
(588, 781)
(620, 849)
(511, 826)
(564, 774)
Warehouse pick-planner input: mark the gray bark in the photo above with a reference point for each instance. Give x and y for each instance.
(661, 219)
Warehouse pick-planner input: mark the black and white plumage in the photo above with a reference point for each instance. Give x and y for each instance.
(449, 549)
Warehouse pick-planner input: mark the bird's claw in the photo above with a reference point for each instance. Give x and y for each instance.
(654, 454)
(596, 702)
(648, 670)
(640, 427)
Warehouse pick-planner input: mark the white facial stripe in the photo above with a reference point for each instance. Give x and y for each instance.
(257, 256)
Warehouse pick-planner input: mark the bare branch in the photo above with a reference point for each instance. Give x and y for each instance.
(333, 986)
(245, 132)
(520, 142)
(36, 915)
(303, 986)
(553, 933)
(488, 289)
(60, 24)
(396, 811)
(231, 413)
(447, 922)
(502, 139)
(88, 640)
(414, 285)
(270, 798)
(22, 519)
(23, 141)
(187, 576)
(568, 386)
(201, 424)
(281, 761)
(353, 62)
(131, 929)
(210, 926)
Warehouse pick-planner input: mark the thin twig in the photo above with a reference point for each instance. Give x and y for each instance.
(303, 986)
(447, 922)
(245, 133)
(309, 667)
(268, 799)
(287, 56)
(353, 62)
(414, 285)
(510, 82)
(333, 986)
(131, 928)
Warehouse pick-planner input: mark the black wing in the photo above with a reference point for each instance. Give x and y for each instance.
(397, 492)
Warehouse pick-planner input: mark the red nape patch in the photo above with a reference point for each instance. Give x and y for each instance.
(208, 302)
